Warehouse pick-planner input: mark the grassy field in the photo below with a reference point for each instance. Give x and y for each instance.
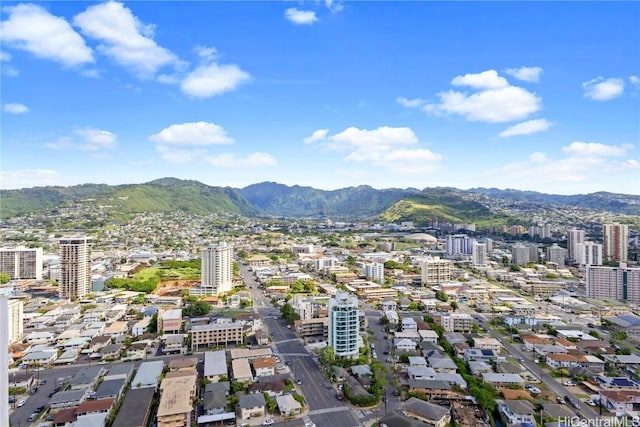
(147, 273)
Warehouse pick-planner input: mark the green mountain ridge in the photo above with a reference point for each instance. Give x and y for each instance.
(271, 199)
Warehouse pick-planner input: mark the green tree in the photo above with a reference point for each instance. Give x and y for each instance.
(327, 356)
(442, 296)
(454, 305)
(153, 324)
(4, 278)
(288, 313)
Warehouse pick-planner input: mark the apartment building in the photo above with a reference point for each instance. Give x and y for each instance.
(216, 334)
(575, 238)
(619, 283)
(435, 270)
(21, 262)
(15, 320)
(313, 330)
(170, 321)
(456, 322)
(615, 241)
(176, 395)
(343, 325)
(217, 270)
(75, 267)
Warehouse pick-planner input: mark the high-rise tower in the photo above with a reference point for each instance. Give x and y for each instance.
(615, 241)
(75, 267)
(343, 325)
(217, 269)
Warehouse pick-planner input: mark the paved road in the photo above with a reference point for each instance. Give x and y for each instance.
(324, 408)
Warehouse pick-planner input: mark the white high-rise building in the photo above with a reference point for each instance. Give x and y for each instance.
(343, 325)
(556, 254)
(479, 255)
(520, 254)
(374, 271)
(75, 267)
(15, 320)
(21, 262)
(575, 237)
(589, 253)
(458, 244)
(615, 240)
(217, 269)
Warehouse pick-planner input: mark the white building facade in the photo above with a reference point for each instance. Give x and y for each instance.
(343, 325)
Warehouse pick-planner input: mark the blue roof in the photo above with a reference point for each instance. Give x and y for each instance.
(631, 318)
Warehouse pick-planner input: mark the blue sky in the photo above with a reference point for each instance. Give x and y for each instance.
(541, 96)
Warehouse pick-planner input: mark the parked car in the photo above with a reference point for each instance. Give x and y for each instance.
(32, 416)
(298, 381)
(21, 403)
(590, 402)
(561, 400)
(268, 422)
(568, 383)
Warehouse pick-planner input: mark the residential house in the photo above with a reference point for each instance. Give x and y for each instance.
(251, 406)
(86, 377)
(429, 413)
(517, 412)
(264, 367)
(215, 365)
(502, 380)
(404, 344)
(287, 405)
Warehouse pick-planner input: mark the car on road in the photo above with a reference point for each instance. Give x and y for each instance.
(298, 381)
(33, 390)
(43, 382)
(590, 402)
(561, 400)
(268, 422)
(21, 403)
(339, 396)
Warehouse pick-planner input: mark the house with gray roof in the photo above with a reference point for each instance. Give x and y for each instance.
(214, 402)
(221, 386)
(86, 377)
(434, 415)
(110, 389)
(251, 406)
(215, 365)
(67, 399)
(148, 374)
(124, 370)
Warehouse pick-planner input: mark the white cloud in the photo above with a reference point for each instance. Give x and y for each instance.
(4, 56)
(583, 167)
(126, 40)
(601, 89)
(526, 128)
(492, 105)
(229, 160)
(537, 157)
(96, 139)
(582, 149)
(410, 103)
(317, 135)
(213, 79)
(392, 148)
(33, 29)
(300, 17)
(206, 53)
(85, 139)
(635, 80)
(187, 142)
(192, 134)
(27, 178)
(333, 6)
(15, 108)
(527, 74)
(485, 80)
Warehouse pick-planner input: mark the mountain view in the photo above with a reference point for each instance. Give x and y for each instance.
(272, 199)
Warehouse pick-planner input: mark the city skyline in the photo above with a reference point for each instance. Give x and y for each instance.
(323, 94)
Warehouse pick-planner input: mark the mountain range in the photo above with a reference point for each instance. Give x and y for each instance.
(279, 200)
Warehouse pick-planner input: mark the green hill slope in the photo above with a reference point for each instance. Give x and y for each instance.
(443, 204)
